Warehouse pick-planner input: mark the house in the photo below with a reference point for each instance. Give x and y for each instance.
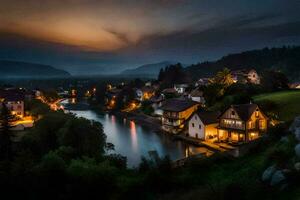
(169, 92)
(202, 82)
(242, 123)
(246, 76)
(295, 85)
(14, 101)
(111, 97)
(145, 93)
(203, 125)
(197, 95)
(181, 88)
(156, 103)
(176, 112)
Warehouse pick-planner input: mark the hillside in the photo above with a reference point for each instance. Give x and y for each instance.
(285, 59)
(14, 69)
(149, 69)
(287, 103)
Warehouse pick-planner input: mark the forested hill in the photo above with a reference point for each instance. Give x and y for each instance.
(285, 59)
(149, 69)
(14, 69)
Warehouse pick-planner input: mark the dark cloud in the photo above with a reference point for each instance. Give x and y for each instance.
(109, 35)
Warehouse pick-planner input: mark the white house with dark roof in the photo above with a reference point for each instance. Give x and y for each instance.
(181, 88)
(197, 95)
(203, 125)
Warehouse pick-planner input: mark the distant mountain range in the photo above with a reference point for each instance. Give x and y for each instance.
(15, 69)
(285, 59)
(148, 69)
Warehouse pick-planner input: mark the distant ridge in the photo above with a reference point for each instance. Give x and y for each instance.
(284, 59)
(148, 69)
(16, 69)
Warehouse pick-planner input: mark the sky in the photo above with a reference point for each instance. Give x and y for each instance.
(107, 36)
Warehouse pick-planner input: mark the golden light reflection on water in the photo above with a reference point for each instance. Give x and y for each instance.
(133, 135)
(72, 101)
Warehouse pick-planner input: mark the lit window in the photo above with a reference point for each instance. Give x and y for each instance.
(238, 123)
(257, 113)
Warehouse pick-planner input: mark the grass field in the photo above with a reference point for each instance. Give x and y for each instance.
(288, 103)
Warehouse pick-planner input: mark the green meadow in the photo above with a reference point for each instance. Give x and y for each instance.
(288, 103)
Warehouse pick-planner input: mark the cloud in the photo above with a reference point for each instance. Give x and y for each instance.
(124, 33)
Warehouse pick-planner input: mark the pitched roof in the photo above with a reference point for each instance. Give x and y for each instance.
(12, 95)
(245, 110)
(147, 89)
(169, 90)
(196, 93)
(208, 117)
(177, 105)
(156, 99)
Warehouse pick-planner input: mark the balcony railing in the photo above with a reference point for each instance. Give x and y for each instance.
(170, 122)
(233, 125)
(171, 115)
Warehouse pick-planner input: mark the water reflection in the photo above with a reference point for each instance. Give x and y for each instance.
(134, 141)
(72, 101)
(133, 136)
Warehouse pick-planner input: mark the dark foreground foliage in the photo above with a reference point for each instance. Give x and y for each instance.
(63, 157)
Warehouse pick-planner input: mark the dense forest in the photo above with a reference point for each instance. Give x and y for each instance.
(285, 59)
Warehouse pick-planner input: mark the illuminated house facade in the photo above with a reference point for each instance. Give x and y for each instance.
(203, 125)
(145, 93)
(242, 123)
(14, 101)
(176, 112)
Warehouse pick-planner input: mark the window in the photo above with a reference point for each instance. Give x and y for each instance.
(257, 113)
(199, 126)
(193, 125)
(238, 123)
(232, 113)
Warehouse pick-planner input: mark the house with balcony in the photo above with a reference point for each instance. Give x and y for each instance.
(203, 125)
(176, 112)
(242, 123)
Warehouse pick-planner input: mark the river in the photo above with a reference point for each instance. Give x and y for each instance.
(133, 141)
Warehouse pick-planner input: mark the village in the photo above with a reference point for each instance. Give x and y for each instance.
(180, 111)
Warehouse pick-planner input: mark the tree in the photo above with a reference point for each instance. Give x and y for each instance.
(5, 133)
(173, 74)
(161, 74)
(274, 80)
(84, 136)
(224, 78)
